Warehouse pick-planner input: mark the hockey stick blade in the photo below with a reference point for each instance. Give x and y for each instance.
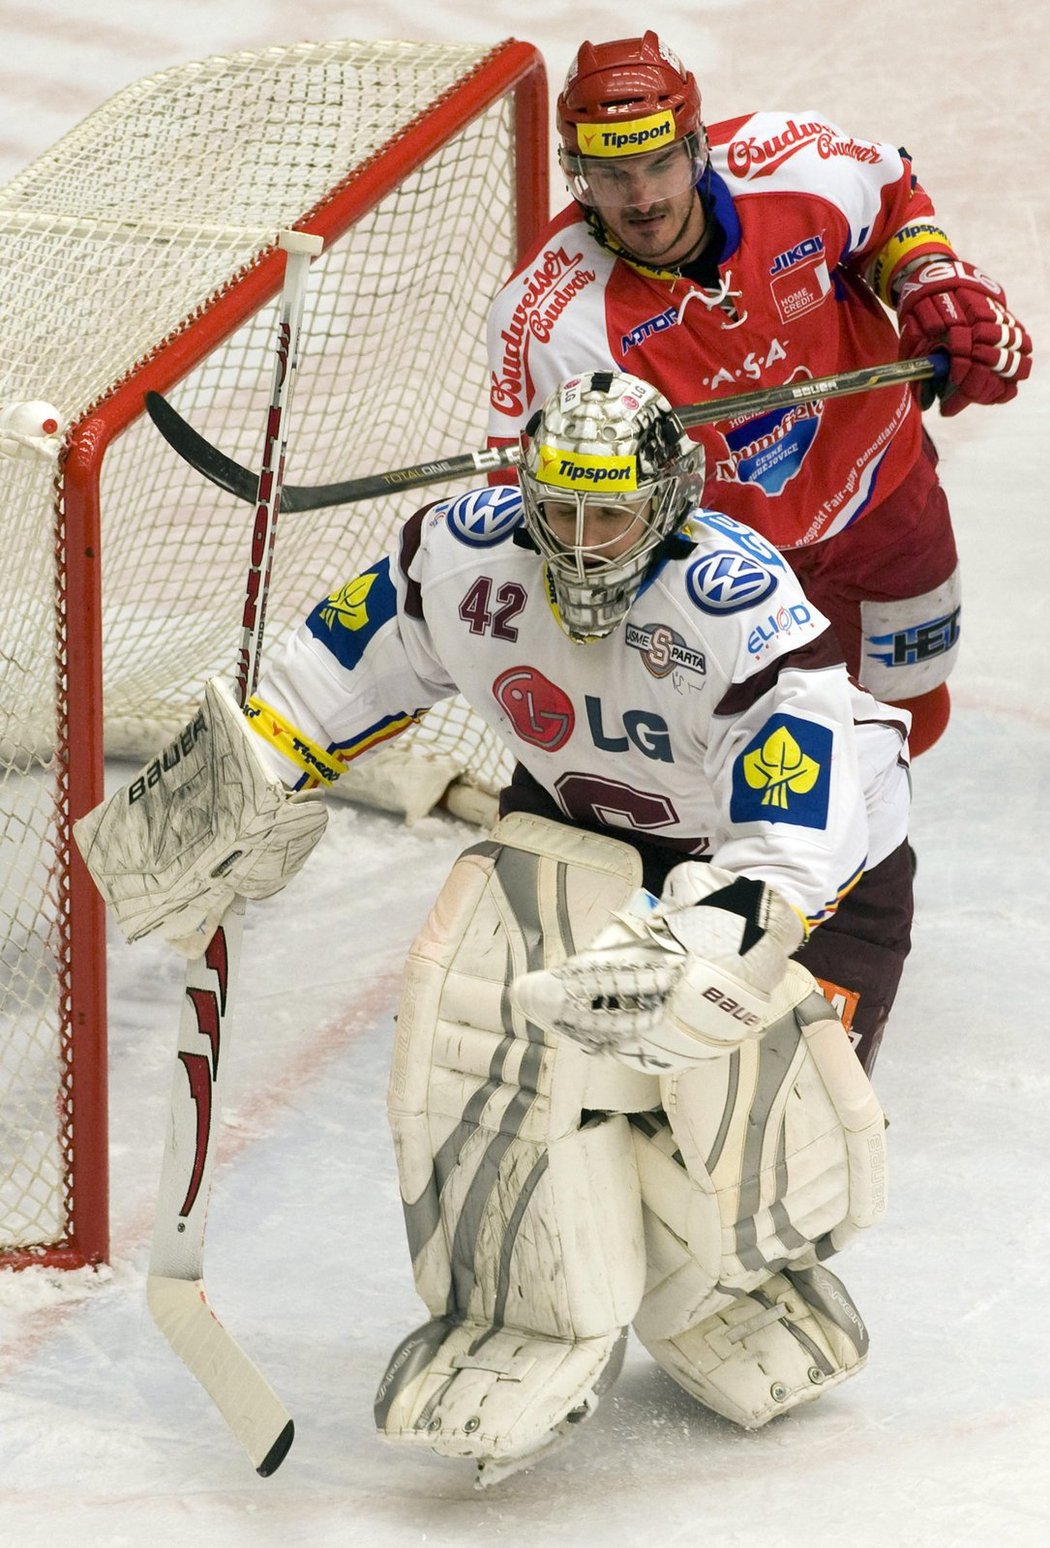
(239, 481)
(179, 1308)
(175, 1293)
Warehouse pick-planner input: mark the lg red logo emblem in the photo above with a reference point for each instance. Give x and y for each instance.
(539, 711)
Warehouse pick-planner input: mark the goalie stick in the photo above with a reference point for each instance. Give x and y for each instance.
(175, 1289)
(239, 481)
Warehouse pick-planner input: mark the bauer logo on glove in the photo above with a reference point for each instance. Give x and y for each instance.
(665, 986)
(181, 747)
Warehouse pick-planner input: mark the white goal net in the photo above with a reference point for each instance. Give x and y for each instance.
(139, 254)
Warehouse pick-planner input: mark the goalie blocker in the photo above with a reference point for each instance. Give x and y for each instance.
(199, 825)
(554, 1197)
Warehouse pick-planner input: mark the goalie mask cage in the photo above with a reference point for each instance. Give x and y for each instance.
(140, 254)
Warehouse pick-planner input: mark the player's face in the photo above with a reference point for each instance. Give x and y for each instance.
(649, 203)
(597, 532)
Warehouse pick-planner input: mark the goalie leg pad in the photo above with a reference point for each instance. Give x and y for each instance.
(516, 1165)
(788, 1134)
(510, 1173)
(766, 1353)
(768, 1160)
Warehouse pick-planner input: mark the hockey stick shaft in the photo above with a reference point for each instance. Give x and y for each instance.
(175, 1288)
(239, 481)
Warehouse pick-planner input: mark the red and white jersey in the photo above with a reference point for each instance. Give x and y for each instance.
(718, 719)
(805, 208)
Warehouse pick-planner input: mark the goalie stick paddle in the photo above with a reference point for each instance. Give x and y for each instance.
(175, 1289)
(239, 481)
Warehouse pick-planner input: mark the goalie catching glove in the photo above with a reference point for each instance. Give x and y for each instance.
(945, 304)
(202, 824)
(668, 984)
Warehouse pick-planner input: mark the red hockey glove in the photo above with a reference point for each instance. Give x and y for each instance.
(949, 305)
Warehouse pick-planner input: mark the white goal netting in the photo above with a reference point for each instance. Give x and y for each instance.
(137, 254)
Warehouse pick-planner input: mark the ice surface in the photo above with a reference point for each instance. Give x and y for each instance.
(104, 1439)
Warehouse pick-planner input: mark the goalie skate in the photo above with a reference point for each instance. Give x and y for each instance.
(497, 1396)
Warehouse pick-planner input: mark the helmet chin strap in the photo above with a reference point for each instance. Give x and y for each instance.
(615, 245)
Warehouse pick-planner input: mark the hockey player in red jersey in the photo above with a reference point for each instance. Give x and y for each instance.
(758, 251)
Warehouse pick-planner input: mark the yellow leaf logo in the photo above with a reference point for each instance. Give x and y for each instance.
(780, 767)
(348, 606)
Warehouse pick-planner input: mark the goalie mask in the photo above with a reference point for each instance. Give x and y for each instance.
(607, 475)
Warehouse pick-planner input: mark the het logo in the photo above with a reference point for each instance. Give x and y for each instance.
(910, 647)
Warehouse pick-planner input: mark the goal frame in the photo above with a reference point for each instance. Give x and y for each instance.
(511, 69)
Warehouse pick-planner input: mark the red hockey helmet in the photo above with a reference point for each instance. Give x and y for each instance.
(623, 98)
(610, 84)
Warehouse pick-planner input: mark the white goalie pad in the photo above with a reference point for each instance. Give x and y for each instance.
(516, 1165)
(765, 1353)
(498, 1396)
(201, 824)
(765, 1162)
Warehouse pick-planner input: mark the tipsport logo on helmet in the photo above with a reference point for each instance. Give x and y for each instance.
(578, 470)
(628, 137)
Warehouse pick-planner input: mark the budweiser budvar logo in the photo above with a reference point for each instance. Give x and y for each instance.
(542, 302)
(752, 157)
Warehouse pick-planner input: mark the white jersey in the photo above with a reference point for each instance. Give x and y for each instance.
(717, 719)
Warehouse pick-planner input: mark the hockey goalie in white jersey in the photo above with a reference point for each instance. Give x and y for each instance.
(620, 1095)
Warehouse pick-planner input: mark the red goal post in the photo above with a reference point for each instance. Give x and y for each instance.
(139, 255)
